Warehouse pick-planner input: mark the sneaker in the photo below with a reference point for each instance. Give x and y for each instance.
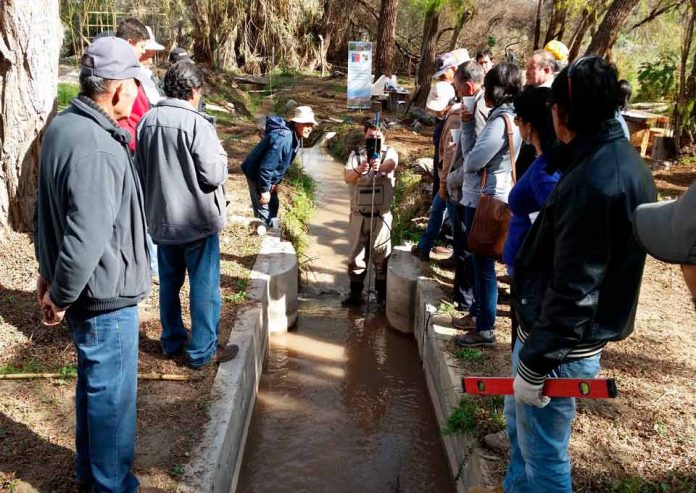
(417, 252)
(473, 338)
(448, 263)
(497, 441)
(466, 322)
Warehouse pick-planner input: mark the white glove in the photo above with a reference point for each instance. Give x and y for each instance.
(527, 393)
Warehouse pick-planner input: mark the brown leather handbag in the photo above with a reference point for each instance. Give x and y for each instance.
(492, 217)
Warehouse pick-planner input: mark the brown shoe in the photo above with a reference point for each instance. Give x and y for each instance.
(476, 339)
(447, 263)
(466, 322)
(221, 355)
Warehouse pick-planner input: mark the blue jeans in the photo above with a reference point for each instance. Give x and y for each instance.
(265, 211)
(435, 221)
(464, 264)
(201, 259)
(485, 283)
(107, 383)
(539, 459)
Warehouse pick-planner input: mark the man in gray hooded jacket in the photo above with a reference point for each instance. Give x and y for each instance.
(183, 168)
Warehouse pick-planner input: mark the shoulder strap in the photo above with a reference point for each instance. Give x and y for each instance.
(511, 145)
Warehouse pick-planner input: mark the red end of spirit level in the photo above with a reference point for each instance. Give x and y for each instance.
(591, 388)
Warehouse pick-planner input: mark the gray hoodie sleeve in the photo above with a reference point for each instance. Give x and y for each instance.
(209, 157)
(488, 144)
(94, 192)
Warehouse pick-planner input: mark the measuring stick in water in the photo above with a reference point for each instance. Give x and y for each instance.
(587, 388)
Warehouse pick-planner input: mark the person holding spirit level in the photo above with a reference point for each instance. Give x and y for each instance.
(369, 174)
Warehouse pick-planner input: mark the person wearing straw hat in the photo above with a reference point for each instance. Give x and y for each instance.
(667, 231)
(268, 162)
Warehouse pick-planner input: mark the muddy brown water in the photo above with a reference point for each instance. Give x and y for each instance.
(342, 405)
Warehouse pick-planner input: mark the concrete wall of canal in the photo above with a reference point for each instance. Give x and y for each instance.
(272, 307)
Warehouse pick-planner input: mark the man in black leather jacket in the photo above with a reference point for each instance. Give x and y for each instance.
(578, 273)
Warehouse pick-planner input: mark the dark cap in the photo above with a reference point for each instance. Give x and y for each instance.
(111, 58)
(179, 55)
(667, 229)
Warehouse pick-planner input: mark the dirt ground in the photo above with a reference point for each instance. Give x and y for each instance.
(643, 441)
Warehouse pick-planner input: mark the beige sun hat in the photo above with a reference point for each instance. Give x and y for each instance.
(304, 114)
(151, 43)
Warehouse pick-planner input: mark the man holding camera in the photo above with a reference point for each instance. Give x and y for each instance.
(369, 174)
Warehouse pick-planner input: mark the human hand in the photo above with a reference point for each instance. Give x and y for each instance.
(443, 193)
(464, 114)
(274, 189)
(362, 167)
(530, 394)
(52, 314)
(265, 198)
(42, 285)
(375, 165)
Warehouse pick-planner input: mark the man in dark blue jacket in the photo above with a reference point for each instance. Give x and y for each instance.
(269, 161)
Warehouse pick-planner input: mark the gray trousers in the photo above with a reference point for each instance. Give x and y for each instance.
(361, 252)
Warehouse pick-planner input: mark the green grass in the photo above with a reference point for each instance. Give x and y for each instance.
(405, 208)
(463, 419)
(29, 366)
(468, 355)
(673, 482)
(177, 470)
(240, 294)
(68, 371)
(66, 91)
(297, 216)
(484, 414)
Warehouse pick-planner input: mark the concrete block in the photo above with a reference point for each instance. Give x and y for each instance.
(403, 272)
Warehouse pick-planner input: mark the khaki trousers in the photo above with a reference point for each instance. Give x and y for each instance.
(360, 250)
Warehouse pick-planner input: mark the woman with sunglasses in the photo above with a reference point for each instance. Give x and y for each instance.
(488, 153)
(529, 194)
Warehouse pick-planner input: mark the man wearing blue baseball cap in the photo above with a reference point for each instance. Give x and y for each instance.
(89, 233)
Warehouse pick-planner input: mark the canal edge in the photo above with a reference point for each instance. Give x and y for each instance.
(272, 294)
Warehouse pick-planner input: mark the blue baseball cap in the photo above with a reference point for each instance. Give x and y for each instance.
(111, 58)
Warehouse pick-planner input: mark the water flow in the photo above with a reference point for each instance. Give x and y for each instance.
(343, 407)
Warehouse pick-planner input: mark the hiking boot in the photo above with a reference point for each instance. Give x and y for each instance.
(497, 441)
(466, 322)
(417, 252)
(227, 353)
(484, 338)
(448, 263)
(441, 250)
(355, 297)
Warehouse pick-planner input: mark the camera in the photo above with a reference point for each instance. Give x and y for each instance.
(373, 147)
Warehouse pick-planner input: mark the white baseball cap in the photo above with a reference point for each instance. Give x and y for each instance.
(440, 96)
(151, 44)
(304, 114)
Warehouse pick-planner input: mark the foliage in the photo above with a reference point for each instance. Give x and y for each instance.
(66, 91)
(463, 418)
(29, 366)
(405, 208)
(673, 482)
(347, 138)
(658, 80)
(484, 414)
(468, 354)
(240, 294)
(298, 214)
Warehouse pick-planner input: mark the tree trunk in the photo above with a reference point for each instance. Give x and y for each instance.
(579, 34)
(681, 103)
(464, 17)
(202, 50)
(30, 39)
(426, 64)
(608, 31)
(537, 24)
(386, 37)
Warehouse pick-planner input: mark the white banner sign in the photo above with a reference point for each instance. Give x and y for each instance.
(359, 74)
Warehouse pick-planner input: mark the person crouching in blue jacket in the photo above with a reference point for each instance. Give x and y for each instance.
(266, 165)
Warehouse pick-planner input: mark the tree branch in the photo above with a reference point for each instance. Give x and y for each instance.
(654, 14)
